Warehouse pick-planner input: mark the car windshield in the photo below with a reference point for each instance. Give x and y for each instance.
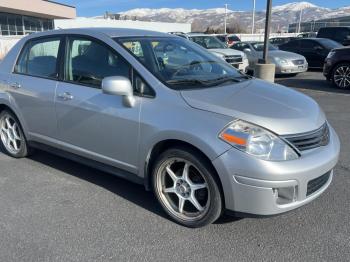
(260, 46)
(179, 63)
(329, 44)
(208, 42)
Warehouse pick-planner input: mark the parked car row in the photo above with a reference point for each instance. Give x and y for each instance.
(291, 55)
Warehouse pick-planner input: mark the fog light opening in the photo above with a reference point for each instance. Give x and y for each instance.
(285, 195)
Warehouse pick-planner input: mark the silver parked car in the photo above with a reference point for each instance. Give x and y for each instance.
(162, 111)
(286, 62)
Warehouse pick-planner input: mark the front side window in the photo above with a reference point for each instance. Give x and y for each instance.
(39, 58)
(179, 63)
(89, 61)
(259, 47)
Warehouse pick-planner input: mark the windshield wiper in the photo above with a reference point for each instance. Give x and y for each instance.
(224, 79)
(187, 82)
(207, 83)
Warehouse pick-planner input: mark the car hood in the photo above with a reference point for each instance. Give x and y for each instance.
(282, 54)
(226, 51)
(275, 107)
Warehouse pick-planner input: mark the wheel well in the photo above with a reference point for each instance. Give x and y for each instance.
(5, 107)
(162, 146)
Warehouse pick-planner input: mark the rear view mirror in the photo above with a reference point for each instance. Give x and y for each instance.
(119, 86)
(247, 50)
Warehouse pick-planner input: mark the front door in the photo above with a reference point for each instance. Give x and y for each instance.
(91, 123)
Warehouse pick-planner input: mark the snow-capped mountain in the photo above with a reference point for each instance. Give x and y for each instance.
(201, 19)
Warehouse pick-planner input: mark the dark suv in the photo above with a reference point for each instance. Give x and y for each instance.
(340, 34)
(337, 67)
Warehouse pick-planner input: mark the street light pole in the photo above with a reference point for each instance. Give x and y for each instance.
(253, 19)
(225, 18)
(267, 30)
(300, 17)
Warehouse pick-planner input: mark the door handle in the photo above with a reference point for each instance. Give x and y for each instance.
(65, 96)
(15, 85)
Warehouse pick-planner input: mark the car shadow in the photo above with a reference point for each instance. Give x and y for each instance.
(132, 192)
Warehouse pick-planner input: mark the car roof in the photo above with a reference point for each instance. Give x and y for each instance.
(111, 32)
(199, 34)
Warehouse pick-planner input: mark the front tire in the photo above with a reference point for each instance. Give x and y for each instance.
(12, 137)
(341, 76)
(187, 188)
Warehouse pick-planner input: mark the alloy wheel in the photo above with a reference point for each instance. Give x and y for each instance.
(342, 76)
(10, 134)
(183, 189)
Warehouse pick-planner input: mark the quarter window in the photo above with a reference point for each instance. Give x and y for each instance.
(39, 58)
(88, 62)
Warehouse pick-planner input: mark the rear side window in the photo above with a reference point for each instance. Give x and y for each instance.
(307, 44)
(39, 58)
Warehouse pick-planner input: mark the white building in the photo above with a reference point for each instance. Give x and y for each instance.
(97, 22)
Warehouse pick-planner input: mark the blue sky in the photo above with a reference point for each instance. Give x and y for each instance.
(98, 7)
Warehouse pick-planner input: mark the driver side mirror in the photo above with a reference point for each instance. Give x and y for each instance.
(119, 86)
(247, 50)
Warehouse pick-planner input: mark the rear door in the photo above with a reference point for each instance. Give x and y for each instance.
(33, 85)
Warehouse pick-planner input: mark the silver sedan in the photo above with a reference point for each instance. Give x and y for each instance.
(286, 62)
(162, 111)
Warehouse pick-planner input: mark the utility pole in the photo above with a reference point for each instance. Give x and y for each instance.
(253, 19)
(264, 69)
(300, 17)
(225, 18)
(267, 30)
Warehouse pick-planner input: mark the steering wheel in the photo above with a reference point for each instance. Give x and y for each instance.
(193, 66)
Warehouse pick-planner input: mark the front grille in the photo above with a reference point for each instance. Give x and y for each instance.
(233, 59)
(298, 62)
(310, 140)
(315, 184)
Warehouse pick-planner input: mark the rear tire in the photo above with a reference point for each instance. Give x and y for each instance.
(341, 76)
(12, 137)
(187, 188)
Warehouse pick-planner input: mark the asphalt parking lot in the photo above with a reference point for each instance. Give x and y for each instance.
(52, 209)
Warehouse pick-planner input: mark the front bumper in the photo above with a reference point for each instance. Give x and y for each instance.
(261, 187)
(243, 66)
(291, 69)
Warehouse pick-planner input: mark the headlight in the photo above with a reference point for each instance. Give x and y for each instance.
(257, 141)
(281, 61)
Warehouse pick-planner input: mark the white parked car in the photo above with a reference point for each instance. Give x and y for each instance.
(237, 59)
